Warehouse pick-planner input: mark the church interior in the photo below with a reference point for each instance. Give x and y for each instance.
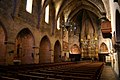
(59, 39)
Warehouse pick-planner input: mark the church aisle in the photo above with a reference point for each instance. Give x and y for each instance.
(108, 74)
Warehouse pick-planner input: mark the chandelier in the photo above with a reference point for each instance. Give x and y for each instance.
(69, 25)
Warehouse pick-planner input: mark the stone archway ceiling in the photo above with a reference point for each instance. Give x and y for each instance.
(86, 5)
(71, 7)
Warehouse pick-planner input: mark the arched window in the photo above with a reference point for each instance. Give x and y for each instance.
(58, 23)
(47, 14)
(29, 6)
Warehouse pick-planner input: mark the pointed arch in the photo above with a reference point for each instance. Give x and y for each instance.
(75, 49)
(24, 46)
(57, 51)
(88, 28)
(45, 53)
(3, 39)
(103, 47)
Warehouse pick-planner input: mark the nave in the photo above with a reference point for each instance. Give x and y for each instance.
(36, 33)
(108, 73)
(53, 71)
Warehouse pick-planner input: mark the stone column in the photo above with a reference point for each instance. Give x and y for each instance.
(36, 55)
(10, 50)
(117, 48)
(52, 55)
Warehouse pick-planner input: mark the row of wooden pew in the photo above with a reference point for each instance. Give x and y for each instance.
(54, 71)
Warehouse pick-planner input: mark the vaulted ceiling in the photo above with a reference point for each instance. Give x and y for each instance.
(70, 8)
(74, 9)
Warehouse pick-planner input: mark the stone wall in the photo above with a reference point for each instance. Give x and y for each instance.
(15, 18)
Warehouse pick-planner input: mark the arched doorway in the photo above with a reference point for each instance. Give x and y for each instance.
(103, 47)
(57, 52)
(2, 46)
(75, 49)
(24, 47)
(45, 54)
(75, 53)
(103, 52)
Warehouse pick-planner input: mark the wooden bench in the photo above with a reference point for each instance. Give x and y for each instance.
(7, 78)
(42, 74)
(78, 71)
(33, 77)
(65, 77)
(28, 77)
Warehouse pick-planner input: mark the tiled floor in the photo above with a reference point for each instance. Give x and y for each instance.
(108, 74)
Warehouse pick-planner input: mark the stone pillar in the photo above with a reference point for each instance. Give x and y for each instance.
(9, 52)
(52, 56)
(117, 48)
(36, 55)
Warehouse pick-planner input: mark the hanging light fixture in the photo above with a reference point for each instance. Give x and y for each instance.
(68, 25)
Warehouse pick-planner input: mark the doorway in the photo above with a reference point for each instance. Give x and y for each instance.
(45, 54)
(24, 47)
(2, 46)
(57, 52)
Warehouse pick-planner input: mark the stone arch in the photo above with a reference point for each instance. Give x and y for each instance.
(117, 25)
(24, 46)
(75, 49)
(95, 7)
(3, 38)
(88, 28)
(57, 51)
(103, 47)
(45, 54)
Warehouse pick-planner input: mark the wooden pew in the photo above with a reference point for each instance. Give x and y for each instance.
(78, 71)
(42, 74)
(65, 77)
(33, 77)
(28, 77)
(56, 73)
(7, 78)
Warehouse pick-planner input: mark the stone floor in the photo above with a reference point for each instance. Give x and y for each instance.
(108, 74)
